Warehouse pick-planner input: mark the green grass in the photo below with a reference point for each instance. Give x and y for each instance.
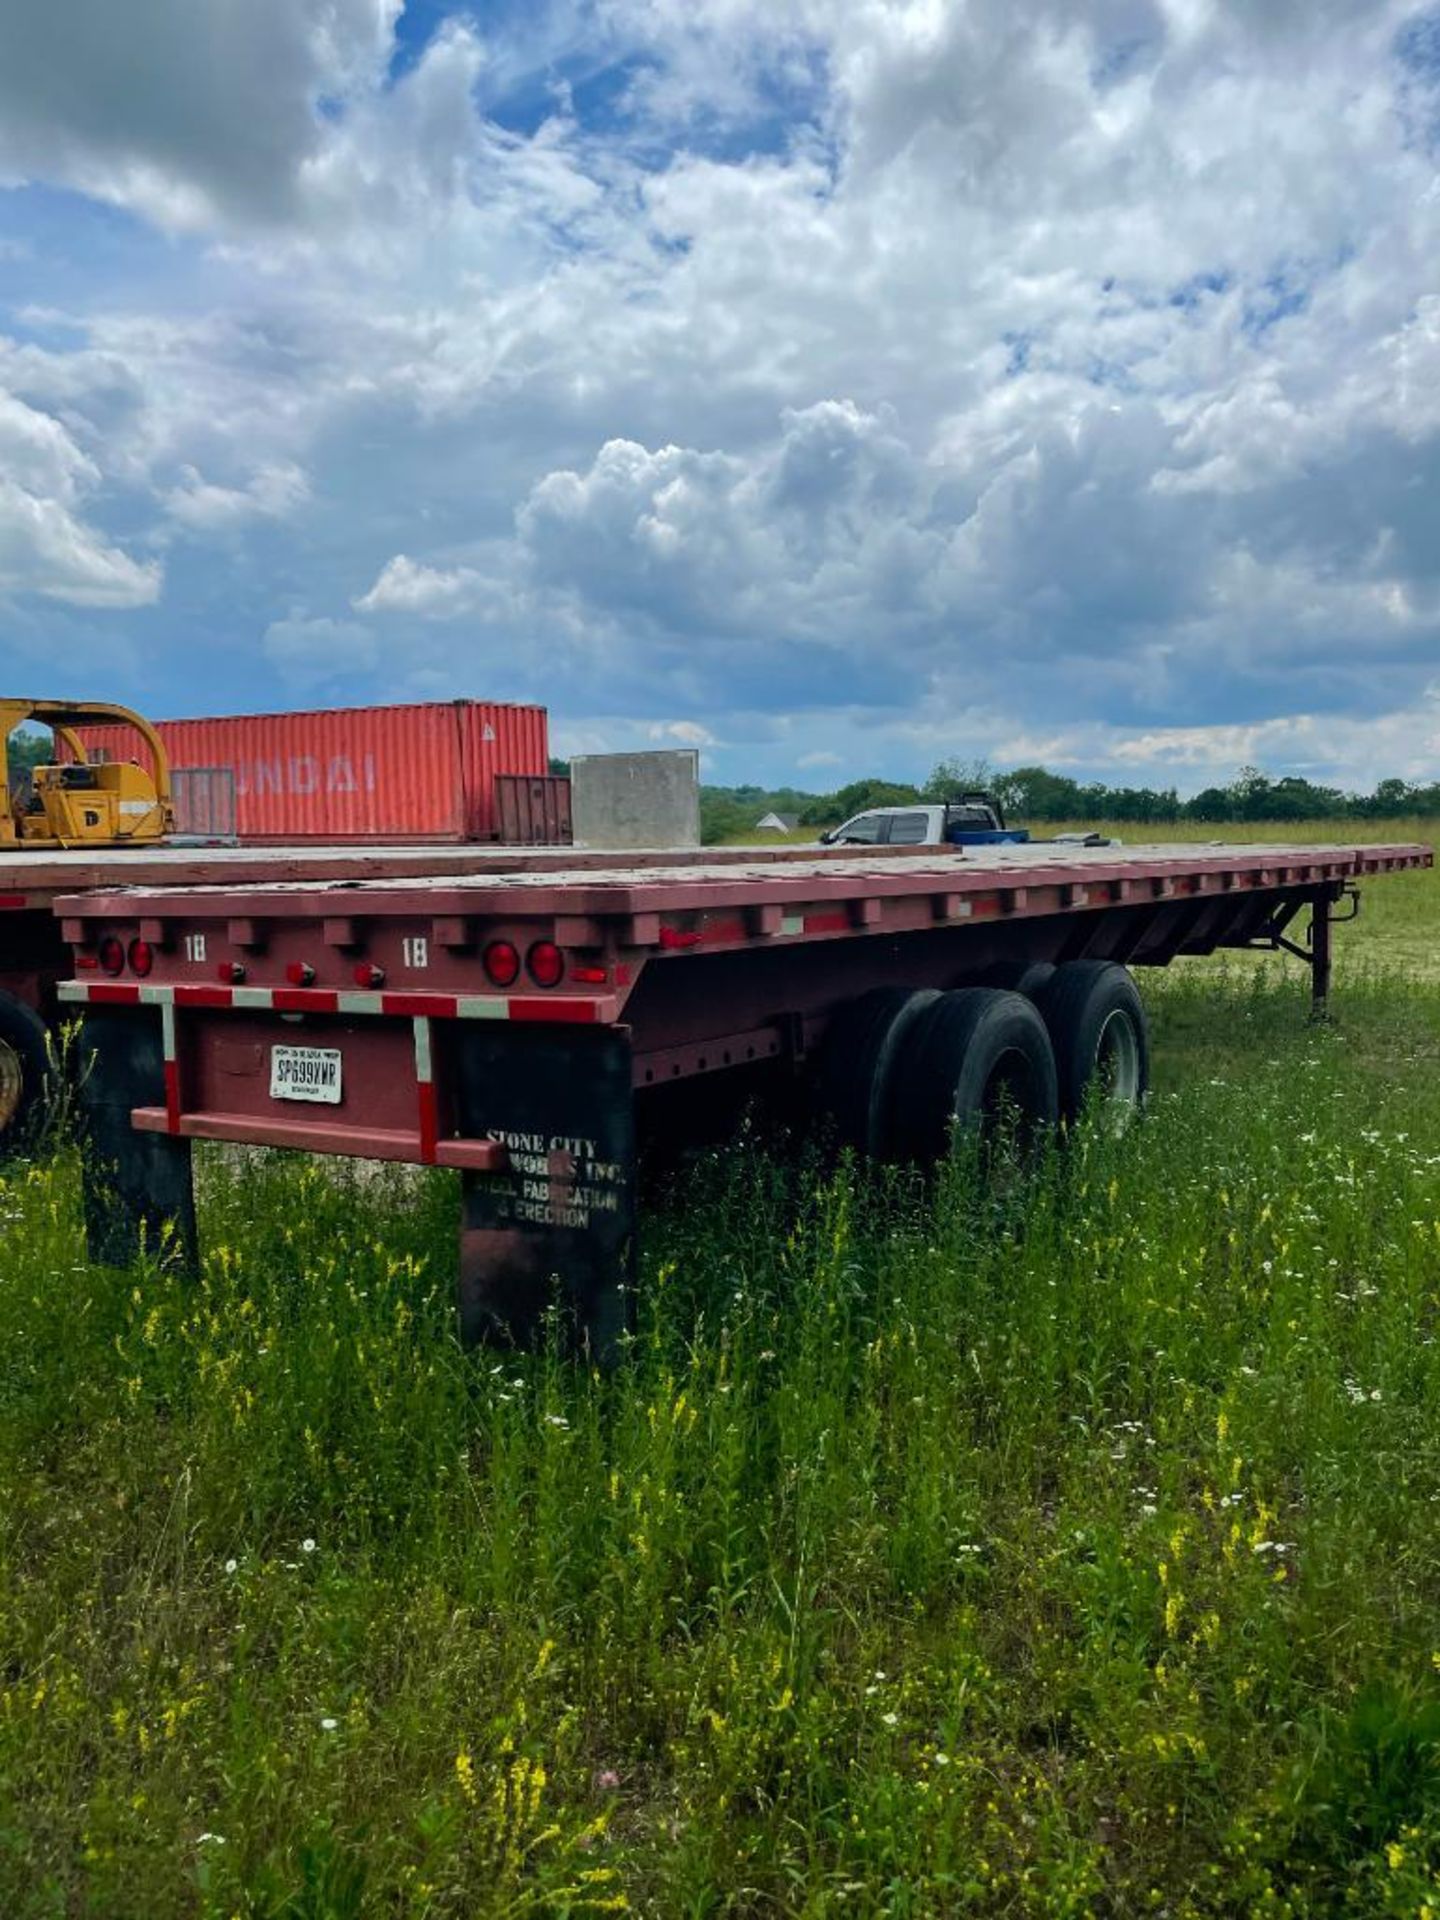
(1073, 1552)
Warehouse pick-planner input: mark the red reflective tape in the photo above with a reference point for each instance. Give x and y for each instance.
(672, 938)
(725, 930)
(429, 1122)
(575, 1012)
(12, 902)
(827, 922)
(304, 1000)
(114, 996)
(172, 1096)
(204, 997)
(439, 1005)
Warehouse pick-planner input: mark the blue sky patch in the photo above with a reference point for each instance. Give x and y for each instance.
(965, 400)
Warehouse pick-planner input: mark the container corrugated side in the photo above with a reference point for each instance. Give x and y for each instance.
(498, 740)
(534, 810)
(417, 772)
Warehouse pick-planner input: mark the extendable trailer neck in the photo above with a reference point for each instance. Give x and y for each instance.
(505, 1021)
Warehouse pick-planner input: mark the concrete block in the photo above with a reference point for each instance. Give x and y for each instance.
(636, 799)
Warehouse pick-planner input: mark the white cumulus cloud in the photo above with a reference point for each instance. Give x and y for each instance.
(46, 547)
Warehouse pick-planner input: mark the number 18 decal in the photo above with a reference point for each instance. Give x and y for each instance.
(417, 952)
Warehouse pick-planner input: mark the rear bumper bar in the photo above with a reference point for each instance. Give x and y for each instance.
(361, 1143)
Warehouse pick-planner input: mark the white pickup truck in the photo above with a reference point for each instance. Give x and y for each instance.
(973, 821)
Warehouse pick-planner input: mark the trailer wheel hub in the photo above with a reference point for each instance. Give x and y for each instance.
(12, 1084)
(1117, 1061)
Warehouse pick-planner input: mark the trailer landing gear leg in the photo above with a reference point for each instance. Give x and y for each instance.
(1320, 963)
(559, 1226)
(139, 1194)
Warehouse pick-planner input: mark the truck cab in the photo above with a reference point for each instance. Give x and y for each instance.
(971, 821)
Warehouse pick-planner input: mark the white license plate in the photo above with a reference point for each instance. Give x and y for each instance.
(305, 1073)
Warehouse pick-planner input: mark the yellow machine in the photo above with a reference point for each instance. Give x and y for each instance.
(76, 804)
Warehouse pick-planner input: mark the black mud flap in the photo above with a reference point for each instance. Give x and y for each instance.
(139, 1193)
(559, 1226)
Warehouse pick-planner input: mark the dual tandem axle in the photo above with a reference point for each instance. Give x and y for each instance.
(517, 1025)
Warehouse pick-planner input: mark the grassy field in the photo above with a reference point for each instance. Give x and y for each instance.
(1073, 1552)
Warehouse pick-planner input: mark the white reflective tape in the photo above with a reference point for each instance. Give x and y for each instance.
(167, 1029)
(157, 996)
(258, 997)
(424, 1069)
(359, 1003)
(792, 923)
(136, 809)
(474, 1006)
(76, 992)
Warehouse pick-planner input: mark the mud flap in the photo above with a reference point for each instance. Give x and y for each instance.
(559, 1225)
(139, 1193)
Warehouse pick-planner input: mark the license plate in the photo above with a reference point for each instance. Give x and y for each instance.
(305, 1073)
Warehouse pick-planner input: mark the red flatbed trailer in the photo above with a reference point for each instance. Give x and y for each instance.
(34, 958)
(509, 1017)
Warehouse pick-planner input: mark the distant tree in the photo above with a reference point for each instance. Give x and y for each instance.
(25, 750)
(560, 767)
(1250, 795)
(1034, 793)
(1211, 804)
(827, 810)
(951, 777)
(1392, 798)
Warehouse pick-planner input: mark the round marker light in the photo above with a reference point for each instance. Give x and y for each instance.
(369, 975)
(546, 964)
(300, 973)
(501, 962)
(232, 972)
(142, 957)
(112, 955)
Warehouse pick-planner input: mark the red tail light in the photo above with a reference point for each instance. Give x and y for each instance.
(591, 976)
(112, 955)
(142, 957)
(367, 975)
(546, 964)
(232, 972)
(300, 973)
(501, 962)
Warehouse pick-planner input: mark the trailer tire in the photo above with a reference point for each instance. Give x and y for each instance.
(1030, 977)
(1098, 1030)
(27, 1072)
(857, 1060)
(970, 1051)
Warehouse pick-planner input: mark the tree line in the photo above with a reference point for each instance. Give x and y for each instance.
(1036, 794)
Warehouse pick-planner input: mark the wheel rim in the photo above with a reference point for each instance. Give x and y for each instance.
(12, 1084)
(1117, 1060)
(1006, 1118)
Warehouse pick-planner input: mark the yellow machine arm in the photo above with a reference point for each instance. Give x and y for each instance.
(118, 803)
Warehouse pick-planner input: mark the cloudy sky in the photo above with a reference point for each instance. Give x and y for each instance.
(838, 384)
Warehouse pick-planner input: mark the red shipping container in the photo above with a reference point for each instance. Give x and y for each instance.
(421, 772)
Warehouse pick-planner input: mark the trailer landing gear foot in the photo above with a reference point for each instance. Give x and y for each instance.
(138, 1187)
(558, 1226)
